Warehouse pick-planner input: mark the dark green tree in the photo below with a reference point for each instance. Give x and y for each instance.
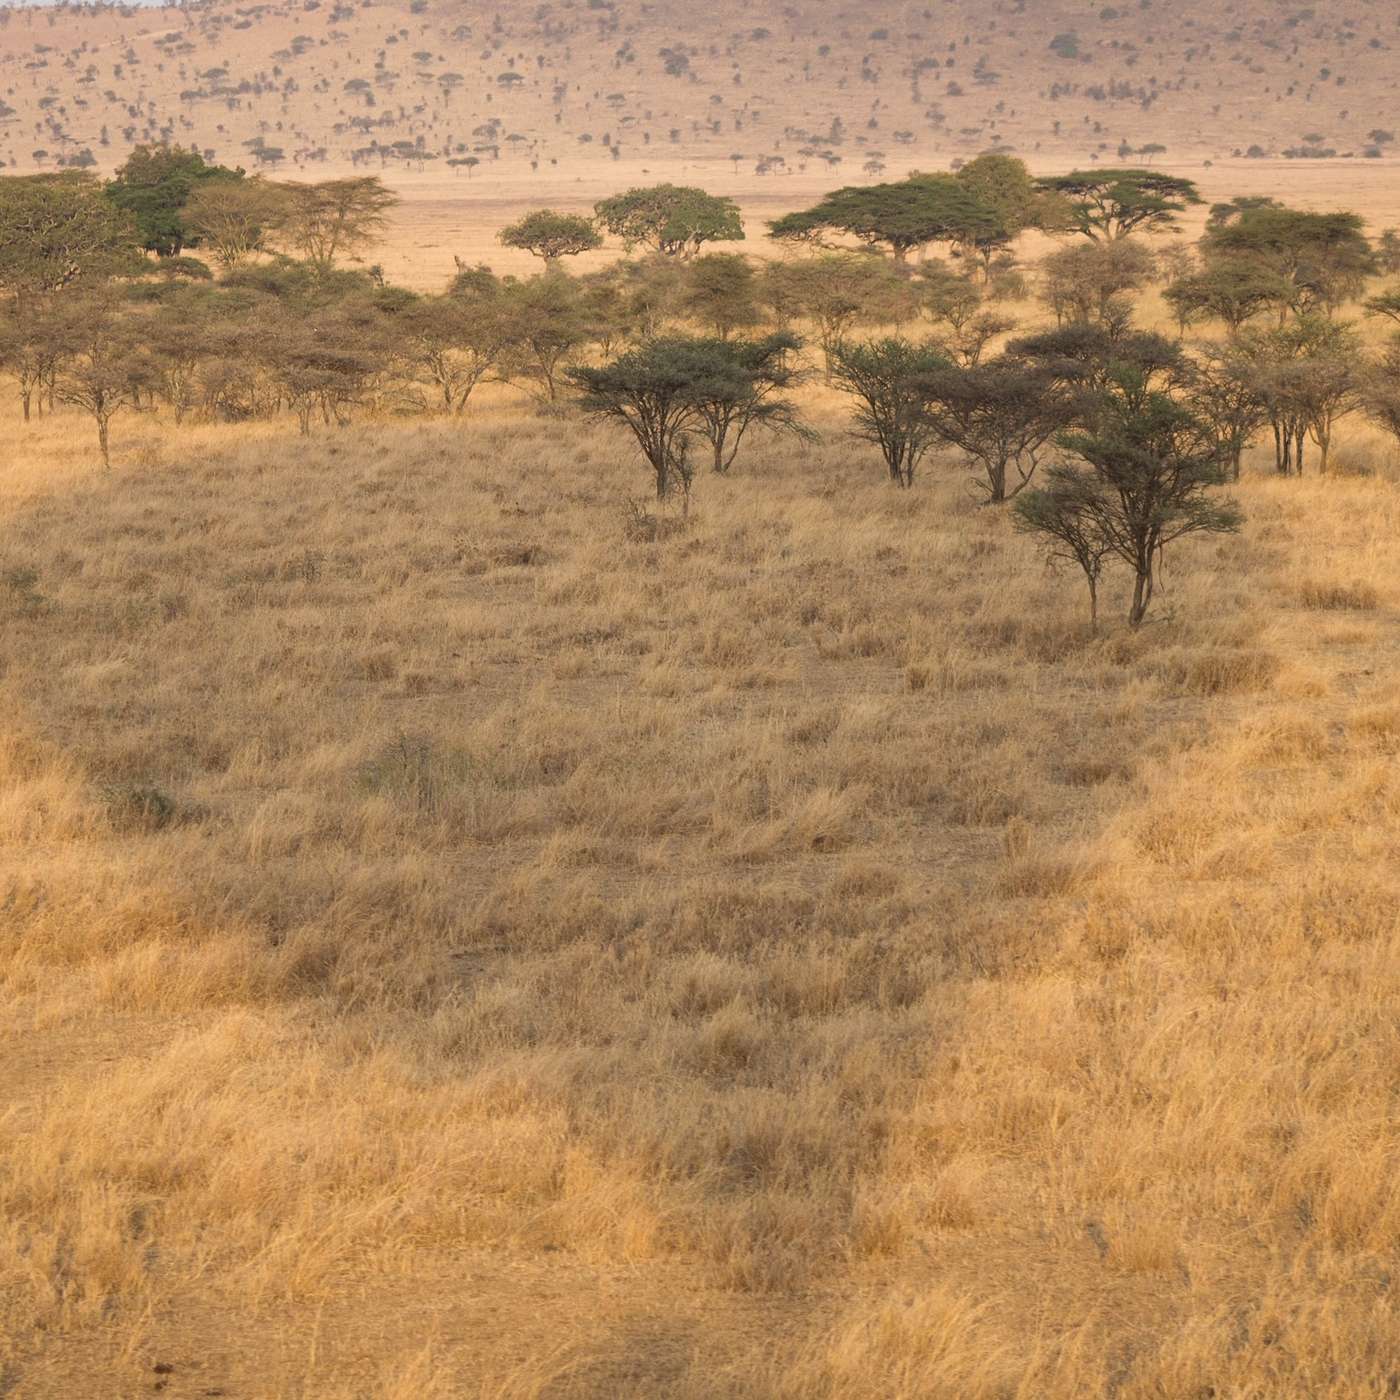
(1105, 205)
(903, 216)
(1149, 471)
(674, 220)
(550, 235)
(887, 379)
(154, 186)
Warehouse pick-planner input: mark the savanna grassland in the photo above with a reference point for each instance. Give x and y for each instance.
(461, 940)
(474, 926)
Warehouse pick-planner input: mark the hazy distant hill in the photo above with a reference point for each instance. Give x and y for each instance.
(856, 87)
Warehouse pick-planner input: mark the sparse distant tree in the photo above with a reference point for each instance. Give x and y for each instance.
(1105, 205)
(675, 220)
(550, 235)
(334, 218)
(887, 380)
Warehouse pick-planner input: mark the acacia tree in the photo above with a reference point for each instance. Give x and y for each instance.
(1149, 469)
(903, 216)
(651, 392)
(1232, 290)
(457, 340)
(836, 292)
(154, 185)
(1380, 390)
(1087, 281)
(550, 235)
(887, 380)
(107, 369)
(35, 342)
(674, 220)
(326, 361)
(334, 218)
(234, 217)
(1065, 515)
(1105, 205)
(721, 293)
(548, 322)
(1001, 414)
(741, 385)
(57, 229)
(1321, 261)
(1223, 391)
(1306, 376)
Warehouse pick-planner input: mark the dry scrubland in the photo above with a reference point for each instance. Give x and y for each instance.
(457, 944)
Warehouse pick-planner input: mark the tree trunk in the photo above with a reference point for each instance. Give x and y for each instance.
(1142, 596)
(103, 443)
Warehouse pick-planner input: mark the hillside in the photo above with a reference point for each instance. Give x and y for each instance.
(555, 89)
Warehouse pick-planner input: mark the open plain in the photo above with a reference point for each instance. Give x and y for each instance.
(468, 931)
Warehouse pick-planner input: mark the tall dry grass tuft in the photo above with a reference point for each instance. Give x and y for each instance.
(456, 942)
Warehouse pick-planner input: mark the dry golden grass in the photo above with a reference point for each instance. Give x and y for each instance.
(453, 947)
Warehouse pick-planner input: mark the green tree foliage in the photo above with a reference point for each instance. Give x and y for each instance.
(1228, 289)
(1001, 415)
(674, 220)
(721, 292)
(550, 235)
(903, 216)
(333, 218)
(1321, 260)
(671, 391)
(741, 385)
(58, 229)
(887, 379)
(836, 292)
(1105, 205)
(1146, 473)
(154, 185)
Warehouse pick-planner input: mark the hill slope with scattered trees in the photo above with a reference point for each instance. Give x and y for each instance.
(418, 84)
